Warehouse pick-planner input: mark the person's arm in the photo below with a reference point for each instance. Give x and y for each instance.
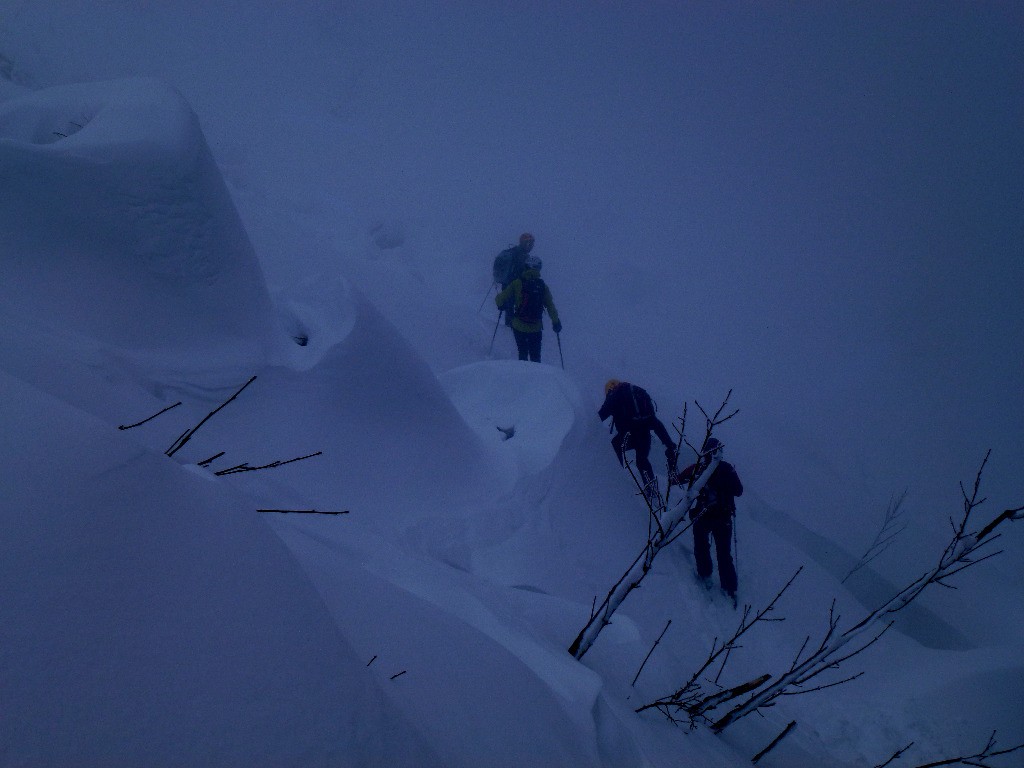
(737, 486)
(502, 298)
(549, 303)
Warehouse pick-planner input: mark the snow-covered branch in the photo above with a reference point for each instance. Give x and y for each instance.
(672, 518)
(667, 521)
(837, 647)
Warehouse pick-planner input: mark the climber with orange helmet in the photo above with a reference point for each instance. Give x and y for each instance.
(634, 416)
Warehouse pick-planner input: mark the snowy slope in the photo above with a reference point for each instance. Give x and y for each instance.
(151, 616)
(156, 616)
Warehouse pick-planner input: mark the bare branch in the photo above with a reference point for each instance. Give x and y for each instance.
(837, 648)
(895, 755)
(188, 433)
(209, 461)
(681, 430)
(648, 493)
(775, 742)
(822, 687)
(244, 467)
(979, 758)
(149, 418)
(304, 512)
(690, 698)
(887, 533)
(648, 656)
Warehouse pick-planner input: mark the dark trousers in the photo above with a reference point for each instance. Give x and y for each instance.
(639, 441)
(528, 345)
(717, 525)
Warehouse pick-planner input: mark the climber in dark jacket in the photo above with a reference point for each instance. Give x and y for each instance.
(508, 266)
(633, 416)
(713, 515)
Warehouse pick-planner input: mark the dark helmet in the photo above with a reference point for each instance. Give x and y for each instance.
(712, 445)
(526, 241)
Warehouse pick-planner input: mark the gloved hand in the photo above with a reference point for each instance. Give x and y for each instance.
(557, 326)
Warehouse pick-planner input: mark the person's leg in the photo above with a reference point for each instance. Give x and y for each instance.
(522, 343)
(534, 346)
(640, 440)
(618, 446)
(702, 549)
(722, 531)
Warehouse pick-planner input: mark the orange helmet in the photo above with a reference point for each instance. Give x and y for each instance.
(610, 385)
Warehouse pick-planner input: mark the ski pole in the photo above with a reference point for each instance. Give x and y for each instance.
(558, 336)
(735, 546)
(490, 349)
(493, 285)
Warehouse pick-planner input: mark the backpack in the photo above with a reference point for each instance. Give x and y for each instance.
(531, 301)
(507, 265)
(643, 406)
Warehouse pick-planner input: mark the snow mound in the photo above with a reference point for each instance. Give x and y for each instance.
(522, 411)
(116, 222)
(151, 615)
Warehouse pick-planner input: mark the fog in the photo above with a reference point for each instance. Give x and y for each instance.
(817, 206)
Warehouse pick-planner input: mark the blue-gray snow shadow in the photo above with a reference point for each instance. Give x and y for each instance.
(867, 585)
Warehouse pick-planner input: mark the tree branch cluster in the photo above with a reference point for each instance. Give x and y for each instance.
(188, 434)
(837, 646)
(701, 699)
(666, 523)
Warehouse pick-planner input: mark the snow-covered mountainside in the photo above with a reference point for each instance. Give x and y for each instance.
(267, 500)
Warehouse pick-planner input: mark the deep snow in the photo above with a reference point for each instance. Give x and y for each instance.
(152, 615)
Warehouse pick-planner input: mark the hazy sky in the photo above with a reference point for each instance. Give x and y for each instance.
(818, 204)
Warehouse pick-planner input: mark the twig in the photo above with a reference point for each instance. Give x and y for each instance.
(207, 462)
(988, 751)
(785, 732)
(690, 698)
(895, 755)
(187, 434)
(647, 494)
(150, 418)
(681, 430)
(244, 467)
(305, 512)
(885, 535)
(836, 647)
(636, 677)
(398, 674)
